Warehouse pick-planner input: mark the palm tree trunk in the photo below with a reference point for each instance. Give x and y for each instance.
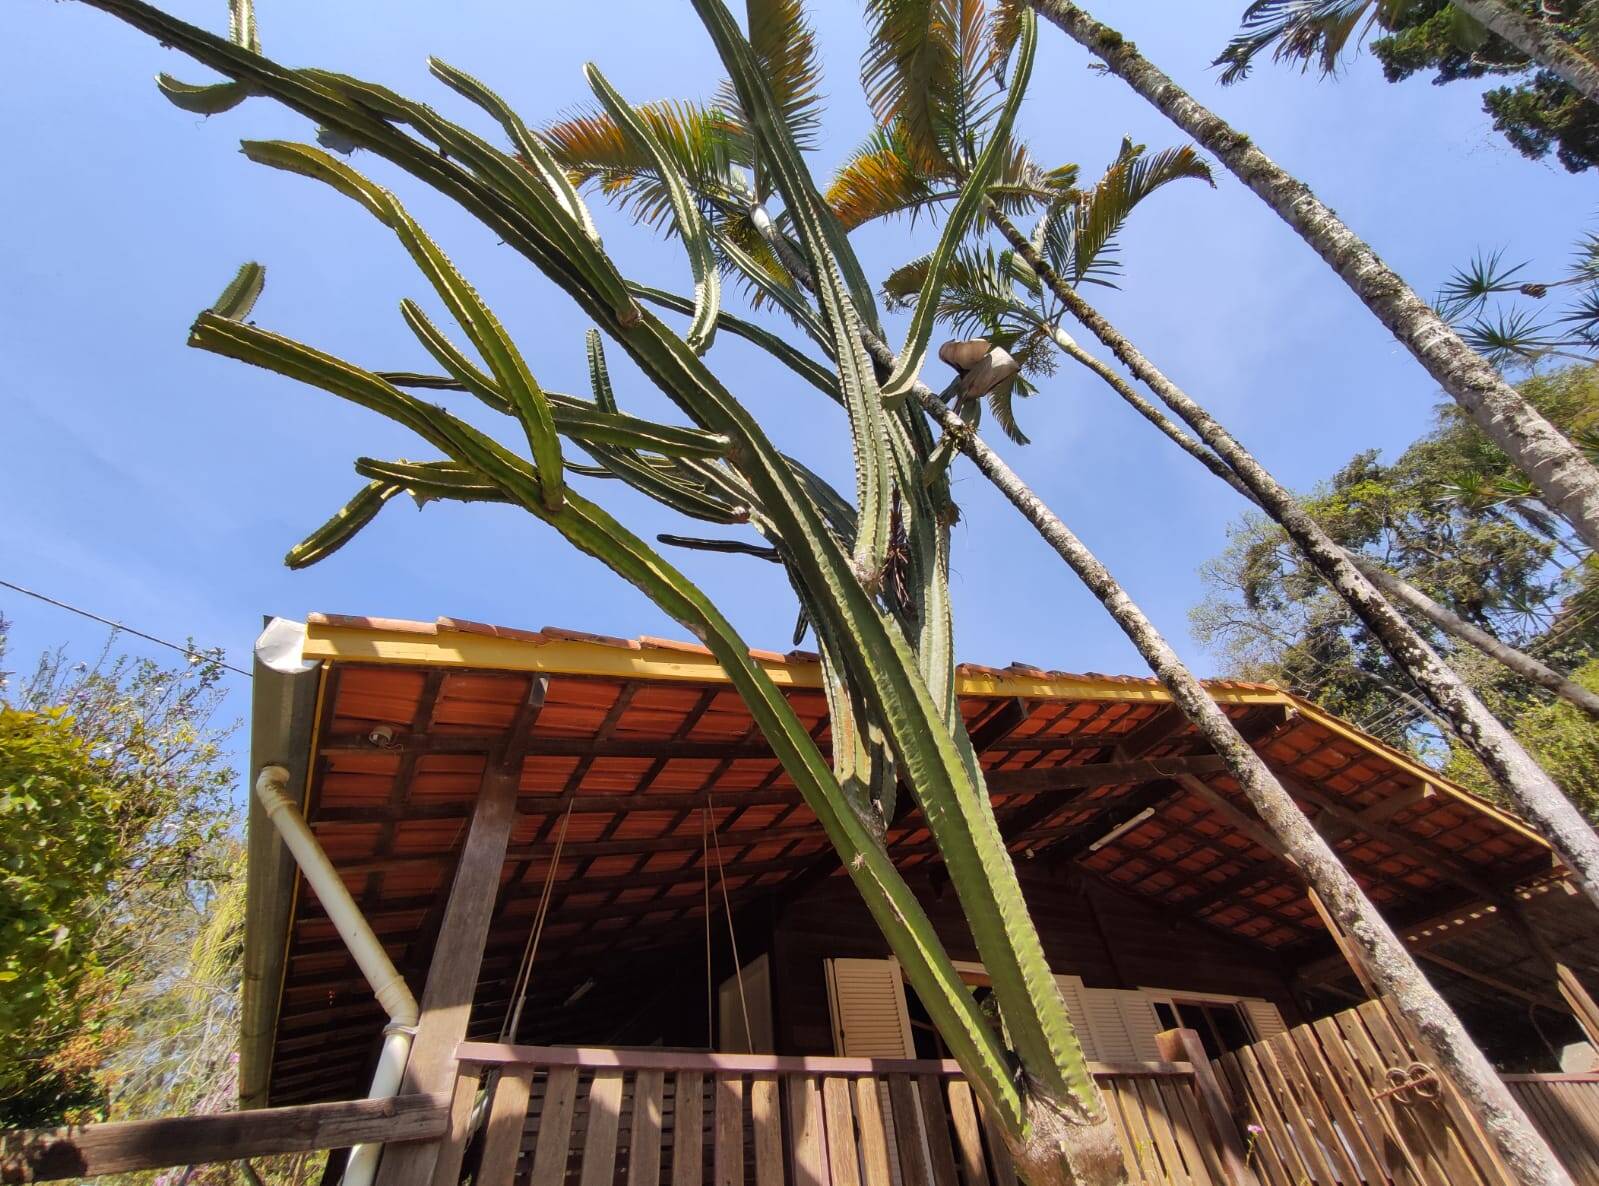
(1568, 482)
(1395, 587)
(1512, 767)
(1538, 42)
(1387, 962)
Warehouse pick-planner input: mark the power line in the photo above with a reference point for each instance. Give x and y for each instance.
(187, 651)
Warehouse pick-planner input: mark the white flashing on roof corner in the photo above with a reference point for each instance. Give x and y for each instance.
(281, 647)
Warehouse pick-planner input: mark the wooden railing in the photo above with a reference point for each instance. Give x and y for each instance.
(1350, 1099)
(561, 1116)
(1566, 1110)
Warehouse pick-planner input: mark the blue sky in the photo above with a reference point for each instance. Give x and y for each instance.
(161, 486)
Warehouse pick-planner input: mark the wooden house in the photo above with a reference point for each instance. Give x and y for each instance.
(613, 906)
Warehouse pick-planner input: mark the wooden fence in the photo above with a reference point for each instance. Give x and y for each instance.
(1348, 1099)
(597, 1117)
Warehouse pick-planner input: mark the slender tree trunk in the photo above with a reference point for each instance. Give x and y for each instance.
(1396, 587)
(1512, 767)
(1538, 42)
(1390, 966)
(1568, 482)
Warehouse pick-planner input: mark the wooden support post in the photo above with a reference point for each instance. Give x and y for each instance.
(1351, 953)
(1185, 1046)
(453, 974)
(1572, 990)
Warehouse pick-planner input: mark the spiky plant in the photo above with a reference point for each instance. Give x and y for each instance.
(871, 575)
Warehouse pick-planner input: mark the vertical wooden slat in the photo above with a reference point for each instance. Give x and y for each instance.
(935, 1125)
(1309, 1138)
(1198, 1148)
(644, 1138)
(555, 1129)
(688, 1131)
(502, 1143)
(1430, 1161)
(968, 1137)
(766, 1114)
(806, 1139)
(1329, 1090)
(1154, 1108)
(913, 1166)
(1219, 1135)
(603, 1119)
(1260, 1150)
(1393, 1156)
(447, 1170)
(728, 1158)
(1140, 1141)
(1313, 1107)
(1111, 1097)
(874, 1135)
(841, 1155)
(998, 1150)
(1269, 1115)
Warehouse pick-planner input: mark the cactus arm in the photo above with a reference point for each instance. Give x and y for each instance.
(466, 374)
(239, 297)
(787, 299)
(346, 522)
(533, 151)
(599, 372)
(973, 196)
(691, 225)
(432, 479)
(836, 272)
(586, 526)
(806, 368)
(510, 370)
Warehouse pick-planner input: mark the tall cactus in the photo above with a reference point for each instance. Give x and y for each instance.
(872, 578)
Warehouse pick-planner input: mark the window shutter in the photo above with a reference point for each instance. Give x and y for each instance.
(1123, 1024)
(868, 1004)
(1264, 1018)
(1071, 991)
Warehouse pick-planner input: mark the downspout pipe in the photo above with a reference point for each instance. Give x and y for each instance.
(387, 984)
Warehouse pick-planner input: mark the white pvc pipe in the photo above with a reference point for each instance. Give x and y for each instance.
(387, 983)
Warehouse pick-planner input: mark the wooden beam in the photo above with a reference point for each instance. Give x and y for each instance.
(1099, 774)
(1493, 982)
(1242, 823)
(44, 1155)
(1572, 990)
(1113, 816)
(452, 976)
(541, 747)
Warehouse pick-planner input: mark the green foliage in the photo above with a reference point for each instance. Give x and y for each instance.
(1537, 112)
(1447, 516)
(113, 798)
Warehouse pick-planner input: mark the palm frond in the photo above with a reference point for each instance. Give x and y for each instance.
(928, 66)
(1511, 336)
(704, 141)
(1466, 292)
(1296, 31)
(784, 41)
(1080, 238)
(881, 178)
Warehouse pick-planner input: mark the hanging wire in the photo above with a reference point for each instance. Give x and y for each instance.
(190, 652)
(710, 981)
(727, 906)
(524, 974)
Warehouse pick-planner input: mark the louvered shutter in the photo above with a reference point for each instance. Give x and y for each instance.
(1264, 1018)
(1122, 1022)
(1071, 991)
(868, 1004)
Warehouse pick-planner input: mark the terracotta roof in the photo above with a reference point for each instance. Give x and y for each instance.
(633, 748)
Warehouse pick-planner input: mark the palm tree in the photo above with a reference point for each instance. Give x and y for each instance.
(1302, 30)
(998, 296)
(927, 146)
(1568, 482)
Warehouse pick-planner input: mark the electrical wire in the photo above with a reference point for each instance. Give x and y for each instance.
(188, 651)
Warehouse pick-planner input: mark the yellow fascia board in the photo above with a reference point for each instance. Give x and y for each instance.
(558, 656)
